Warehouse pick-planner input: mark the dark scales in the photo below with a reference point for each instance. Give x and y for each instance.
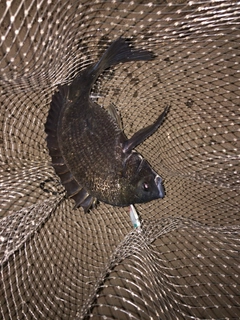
(89, 151)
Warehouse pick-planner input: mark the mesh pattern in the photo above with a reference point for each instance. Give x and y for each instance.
(183, 263)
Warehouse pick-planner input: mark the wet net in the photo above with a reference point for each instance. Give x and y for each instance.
(183, 261)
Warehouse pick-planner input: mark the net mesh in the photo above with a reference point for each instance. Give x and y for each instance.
(183, 263)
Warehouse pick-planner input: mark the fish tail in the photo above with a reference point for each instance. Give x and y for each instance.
(120, 51)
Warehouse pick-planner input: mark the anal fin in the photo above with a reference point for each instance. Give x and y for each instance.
(112, 110)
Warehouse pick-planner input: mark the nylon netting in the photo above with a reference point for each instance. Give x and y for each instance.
(183, 263)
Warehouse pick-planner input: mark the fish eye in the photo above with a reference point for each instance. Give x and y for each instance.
(145, 186)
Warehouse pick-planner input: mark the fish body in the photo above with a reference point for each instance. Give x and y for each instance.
(89, 151)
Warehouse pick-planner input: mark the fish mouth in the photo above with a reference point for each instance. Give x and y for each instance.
(158, 181)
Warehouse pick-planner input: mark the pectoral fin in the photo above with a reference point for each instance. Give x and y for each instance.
(144, 133)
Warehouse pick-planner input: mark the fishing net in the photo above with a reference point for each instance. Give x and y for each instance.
(183, 261)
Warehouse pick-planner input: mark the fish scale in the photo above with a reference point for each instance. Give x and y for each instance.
(97, 147)
(89, 151)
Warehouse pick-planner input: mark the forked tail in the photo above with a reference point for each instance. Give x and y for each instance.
(119, 51)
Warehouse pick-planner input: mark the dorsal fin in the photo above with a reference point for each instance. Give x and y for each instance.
(74, 189)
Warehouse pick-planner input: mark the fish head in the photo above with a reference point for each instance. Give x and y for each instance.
(144, 184)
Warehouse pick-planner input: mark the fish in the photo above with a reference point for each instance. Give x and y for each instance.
(89, 151)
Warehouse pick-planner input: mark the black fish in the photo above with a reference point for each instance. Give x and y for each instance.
(89, 151)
